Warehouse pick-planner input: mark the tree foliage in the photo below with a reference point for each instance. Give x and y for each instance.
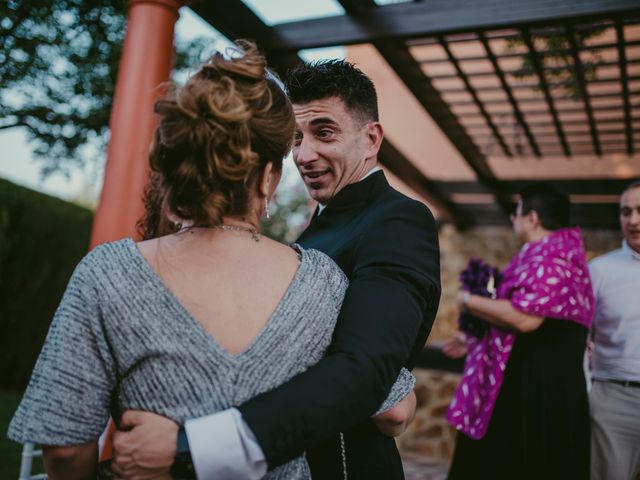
(289, 213)
(58, 67)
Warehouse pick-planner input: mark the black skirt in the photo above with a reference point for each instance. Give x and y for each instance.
(540, 425)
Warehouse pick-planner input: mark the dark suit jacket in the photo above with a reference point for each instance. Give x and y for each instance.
(387, 245)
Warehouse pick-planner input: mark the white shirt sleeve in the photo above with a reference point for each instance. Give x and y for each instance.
(223, 447)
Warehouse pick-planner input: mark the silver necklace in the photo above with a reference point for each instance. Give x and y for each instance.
(255, 235)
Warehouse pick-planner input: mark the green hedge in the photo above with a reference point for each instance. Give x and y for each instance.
(10, 451)
(42, 239)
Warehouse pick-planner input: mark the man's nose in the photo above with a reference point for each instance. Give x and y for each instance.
(635, 216)
(305, 153)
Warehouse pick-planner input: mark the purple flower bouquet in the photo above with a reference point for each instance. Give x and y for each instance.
(479, 278)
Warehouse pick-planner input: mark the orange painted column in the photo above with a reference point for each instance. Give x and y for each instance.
(147, 59)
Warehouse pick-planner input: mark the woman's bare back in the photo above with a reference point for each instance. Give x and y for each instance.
(230, 283)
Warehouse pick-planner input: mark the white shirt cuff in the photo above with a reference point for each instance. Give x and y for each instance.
(223, 447)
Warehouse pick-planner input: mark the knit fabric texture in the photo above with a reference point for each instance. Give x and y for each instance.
(121, 340)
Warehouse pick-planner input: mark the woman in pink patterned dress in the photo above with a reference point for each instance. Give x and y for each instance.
(521, 407)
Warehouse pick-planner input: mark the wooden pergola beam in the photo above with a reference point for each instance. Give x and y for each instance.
(399, 58)
(397, 163)
(439, 17)
(575, 187)
(393, 29)
(234, 19)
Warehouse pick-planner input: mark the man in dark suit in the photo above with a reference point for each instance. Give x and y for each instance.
(387, 245)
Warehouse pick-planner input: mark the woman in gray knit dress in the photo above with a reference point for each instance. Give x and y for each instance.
(209, 313)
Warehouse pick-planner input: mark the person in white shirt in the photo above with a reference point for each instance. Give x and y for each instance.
(615, 395)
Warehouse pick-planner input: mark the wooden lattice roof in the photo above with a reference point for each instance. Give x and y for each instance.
(550, 80)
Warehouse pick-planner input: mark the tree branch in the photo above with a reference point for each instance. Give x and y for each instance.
(11, 125)
(18, 123)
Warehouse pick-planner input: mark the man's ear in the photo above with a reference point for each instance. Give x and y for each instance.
(375, 134)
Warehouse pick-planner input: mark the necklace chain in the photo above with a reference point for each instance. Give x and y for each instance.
(255, 235)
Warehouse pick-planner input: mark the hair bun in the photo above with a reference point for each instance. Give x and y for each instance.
(217, 131)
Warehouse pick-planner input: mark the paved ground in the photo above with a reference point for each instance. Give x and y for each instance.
(414, 469)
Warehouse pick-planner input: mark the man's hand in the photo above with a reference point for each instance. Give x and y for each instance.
(590, 346)
(146, 449)
(395, 421)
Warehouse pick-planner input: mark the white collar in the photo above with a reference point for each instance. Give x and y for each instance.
(635, 255)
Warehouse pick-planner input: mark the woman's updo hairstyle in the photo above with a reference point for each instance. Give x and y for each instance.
(215, 136)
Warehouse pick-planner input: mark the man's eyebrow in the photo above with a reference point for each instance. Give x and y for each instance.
(323, 121)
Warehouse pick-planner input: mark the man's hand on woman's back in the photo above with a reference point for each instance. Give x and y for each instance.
(146, 446)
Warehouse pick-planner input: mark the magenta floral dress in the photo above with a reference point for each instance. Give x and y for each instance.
(547, 278)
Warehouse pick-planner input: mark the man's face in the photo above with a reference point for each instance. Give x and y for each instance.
(630, 217)
(333, 147)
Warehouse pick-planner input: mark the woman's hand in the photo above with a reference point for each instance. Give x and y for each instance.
(395, 421)
(456, 346)
(462, 297)
(590, 346)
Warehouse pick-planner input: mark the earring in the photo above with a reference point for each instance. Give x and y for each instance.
(267, 214)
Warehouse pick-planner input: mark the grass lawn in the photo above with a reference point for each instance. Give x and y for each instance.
(9, 451)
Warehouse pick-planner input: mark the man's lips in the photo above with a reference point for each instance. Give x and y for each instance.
(314, 176)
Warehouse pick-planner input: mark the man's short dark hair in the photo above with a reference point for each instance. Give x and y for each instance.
(334, 78)
(631, 186)
(553, 207)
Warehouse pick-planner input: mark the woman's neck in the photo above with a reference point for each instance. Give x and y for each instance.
(538, 234)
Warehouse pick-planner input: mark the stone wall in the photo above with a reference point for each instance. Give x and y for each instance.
(430, 437)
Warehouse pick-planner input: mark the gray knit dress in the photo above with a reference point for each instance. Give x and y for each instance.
(121, 340)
